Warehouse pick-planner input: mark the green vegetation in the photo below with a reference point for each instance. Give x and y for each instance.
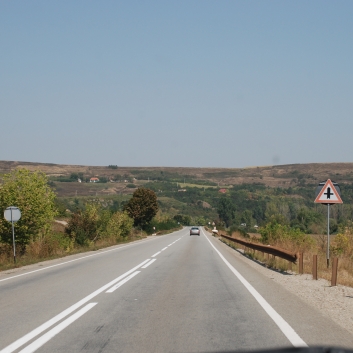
(92, 224)
(32, 195)
(142, 207)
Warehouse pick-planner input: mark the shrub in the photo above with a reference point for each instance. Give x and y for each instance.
(283, 235)
(87, 226)
(119, 225)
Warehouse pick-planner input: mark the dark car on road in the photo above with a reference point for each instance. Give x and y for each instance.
(195, 231)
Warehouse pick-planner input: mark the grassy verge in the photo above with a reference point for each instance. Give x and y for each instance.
(39, 251)
(345, 263)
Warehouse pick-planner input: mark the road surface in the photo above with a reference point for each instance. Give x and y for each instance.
(171, 293)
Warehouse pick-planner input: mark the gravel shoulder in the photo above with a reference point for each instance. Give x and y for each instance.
(334, 302)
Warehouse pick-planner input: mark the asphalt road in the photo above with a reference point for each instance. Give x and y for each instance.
(172, 293)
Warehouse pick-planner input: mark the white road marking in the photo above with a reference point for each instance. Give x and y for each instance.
(149, 263)
(66, 262)
(157, 253)
(57, 329)
(283, 325)
(164, 248)
(21, 341)
(119, 284)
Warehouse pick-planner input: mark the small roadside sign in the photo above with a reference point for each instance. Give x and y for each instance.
(12, 214)
(329, 194)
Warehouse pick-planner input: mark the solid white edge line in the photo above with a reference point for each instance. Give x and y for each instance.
(21, 341)
(157, 253)
(57, 329)
(149, 263)
(81, 258)
(119, 284)
(283, 325)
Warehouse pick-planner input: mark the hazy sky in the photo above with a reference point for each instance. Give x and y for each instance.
(176, 83)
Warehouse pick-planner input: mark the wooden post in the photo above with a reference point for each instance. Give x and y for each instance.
(315, 267)
(334, 272)
(301, 263)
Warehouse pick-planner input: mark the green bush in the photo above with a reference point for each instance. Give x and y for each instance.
(182, 219)
(119, 225)
(160, 225)
(89, 225)
(279, 234)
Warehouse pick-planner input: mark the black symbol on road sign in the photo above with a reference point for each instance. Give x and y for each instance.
(328, 193)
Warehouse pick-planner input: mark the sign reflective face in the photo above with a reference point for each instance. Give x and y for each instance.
(12, 214)
(328, 193)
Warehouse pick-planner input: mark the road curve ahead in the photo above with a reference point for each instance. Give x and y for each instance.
(173, 293)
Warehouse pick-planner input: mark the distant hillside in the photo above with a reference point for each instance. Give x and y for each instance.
(290, 175)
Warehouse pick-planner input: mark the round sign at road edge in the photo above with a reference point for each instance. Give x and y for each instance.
(12, 214)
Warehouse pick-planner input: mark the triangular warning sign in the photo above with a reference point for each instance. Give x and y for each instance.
(328, 194)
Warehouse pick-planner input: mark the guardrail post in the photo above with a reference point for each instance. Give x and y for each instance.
(315, 267)
(334, 272)
(301, 263)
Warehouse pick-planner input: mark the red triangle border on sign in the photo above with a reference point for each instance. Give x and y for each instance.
(328, 183)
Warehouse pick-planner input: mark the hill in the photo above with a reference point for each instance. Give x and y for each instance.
(291, 175)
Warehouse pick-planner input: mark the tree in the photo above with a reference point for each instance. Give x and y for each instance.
(142, 207)
(246, 217)
(88, 225)
(30, 192)
(226, 211)
(182, 219)
(119, 225)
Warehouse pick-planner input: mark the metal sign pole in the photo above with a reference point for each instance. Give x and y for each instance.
(328, 235)
(13, 239)
(328, 193)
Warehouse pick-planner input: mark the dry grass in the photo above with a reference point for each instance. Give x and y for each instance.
(341, 247)
(57, 245)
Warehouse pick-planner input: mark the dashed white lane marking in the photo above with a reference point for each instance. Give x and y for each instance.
(157, 253)
(283, 325)
(119, 284)
(26, 338)
(54, 331)
(164, 248)
(149, 263)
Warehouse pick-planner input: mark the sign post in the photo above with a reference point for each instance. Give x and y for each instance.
(13, 214)
(328, 193)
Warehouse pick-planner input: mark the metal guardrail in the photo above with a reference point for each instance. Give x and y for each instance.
(286, 255)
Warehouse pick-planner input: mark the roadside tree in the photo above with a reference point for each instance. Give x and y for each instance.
(226, 209)
(142, 207)
(30, 192)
